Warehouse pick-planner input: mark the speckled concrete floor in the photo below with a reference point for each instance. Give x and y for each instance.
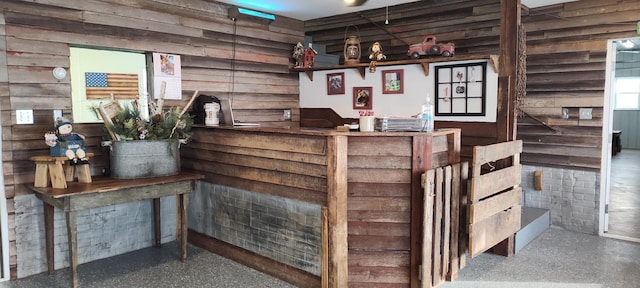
(152, 267)
(556, 259)
(624, 206)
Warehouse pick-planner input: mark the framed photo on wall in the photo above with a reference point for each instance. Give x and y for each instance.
(363, 98)
(335, 83)
(392, 81)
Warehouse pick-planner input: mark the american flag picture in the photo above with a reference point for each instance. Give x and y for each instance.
(102, 85)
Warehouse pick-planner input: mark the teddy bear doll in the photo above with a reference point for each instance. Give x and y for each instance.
(65, 141)
(375, 56)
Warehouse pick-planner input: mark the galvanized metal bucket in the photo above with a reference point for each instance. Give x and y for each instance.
(144, 158)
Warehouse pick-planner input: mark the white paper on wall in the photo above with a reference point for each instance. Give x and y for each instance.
(167, 68)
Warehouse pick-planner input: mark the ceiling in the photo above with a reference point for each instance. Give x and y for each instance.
(622, 48)
(312, 9)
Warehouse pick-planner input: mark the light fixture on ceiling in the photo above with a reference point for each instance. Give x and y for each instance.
(627, 44)
(244, 13)
(386, 16)
(354, 3)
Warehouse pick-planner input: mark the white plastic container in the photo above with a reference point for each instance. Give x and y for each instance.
(211, 114)
(367, 123)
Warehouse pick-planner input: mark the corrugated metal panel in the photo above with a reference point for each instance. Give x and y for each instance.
(628, 121)
(628, 64)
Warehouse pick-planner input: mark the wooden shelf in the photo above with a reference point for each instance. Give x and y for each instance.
(424, 62)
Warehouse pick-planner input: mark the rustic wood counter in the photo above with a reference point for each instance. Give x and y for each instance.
(369, 182)
(108, 191)
(321, 131)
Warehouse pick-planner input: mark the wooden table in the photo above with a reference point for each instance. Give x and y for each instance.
(108, 191)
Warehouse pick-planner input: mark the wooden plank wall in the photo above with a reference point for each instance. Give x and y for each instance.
(566, 54)
(474, 26)
(380, 209)
(285, 165)
(291, 166)
(9, 191)
(37, 35)
(294, 165)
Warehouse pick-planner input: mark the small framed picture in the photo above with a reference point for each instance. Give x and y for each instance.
(363, 98)
(335, 83)
(392, 81)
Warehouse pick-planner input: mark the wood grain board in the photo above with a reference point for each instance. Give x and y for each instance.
(36, 37)
(494, 195)
(566, 69)
(366, 182)
(443, 250)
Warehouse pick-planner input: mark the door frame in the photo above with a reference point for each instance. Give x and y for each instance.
(4, 226)
(607, 129)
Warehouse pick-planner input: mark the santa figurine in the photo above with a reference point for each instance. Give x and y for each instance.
(65, 142)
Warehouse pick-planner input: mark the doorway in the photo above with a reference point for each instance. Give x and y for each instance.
(620, 206)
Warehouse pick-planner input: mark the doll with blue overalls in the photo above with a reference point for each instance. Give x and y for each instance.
(65, 142)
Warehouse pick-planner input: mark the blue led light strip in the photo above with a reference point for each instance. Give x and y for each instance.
(256, 14)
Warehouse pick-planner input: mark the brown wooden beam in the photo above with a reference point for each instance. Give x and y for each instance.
(509, 23)
(421, 162)
(337, 211)
(506, 128)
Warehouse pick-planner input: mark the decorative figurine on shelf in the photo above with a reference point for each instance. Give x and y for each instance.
(375, 56)
(310, 57)
(298, 55)
(430, 47)
(65, 142)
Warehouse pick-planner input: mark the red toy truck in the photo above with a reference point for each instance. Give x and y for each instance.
(430, 47)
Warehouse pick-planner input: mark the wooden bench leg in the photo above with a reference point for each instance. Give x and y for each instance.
(56, 173)
(42, 175)
(84, 173)
(68, 171)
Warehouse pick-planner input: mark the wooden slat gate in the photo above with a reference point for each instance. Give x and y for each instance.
(443, 247)
(494, 195)
(485, 207)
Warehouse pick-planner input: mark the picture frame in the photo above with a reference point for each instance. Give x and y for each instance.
(393, 81)
(461, 89)
(363, 98)
(335, 83)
